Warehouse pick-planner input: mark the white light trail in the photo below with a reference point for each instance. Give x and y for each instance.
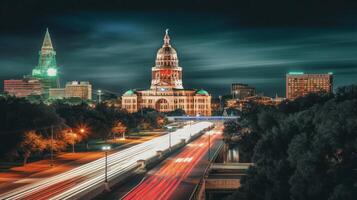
(91, 175)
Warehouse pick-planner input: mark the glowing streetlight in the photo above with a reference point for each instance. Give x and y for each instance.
(106, 149)
(99, 96)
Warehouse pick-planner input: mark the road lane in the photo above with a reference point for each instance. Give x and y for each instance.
(163, 183)
(93, 173)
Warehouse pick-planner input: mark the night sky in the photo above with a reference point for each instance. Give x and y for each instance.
(113, 45)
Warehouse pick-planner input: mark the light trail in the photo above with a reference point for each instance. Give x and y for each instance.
(86, 177)
(162, 184)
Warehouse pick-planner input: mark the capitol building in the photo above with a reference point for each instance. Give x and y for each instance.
(167, 92)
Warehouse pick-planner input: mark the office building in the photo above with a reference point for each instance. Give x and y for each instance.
(23, 87)
(299, 84)
(241, 91)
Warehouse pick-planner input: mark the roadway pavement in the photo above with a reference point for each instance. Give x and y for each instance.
(76, 182)
(32, 172)
(175, 178)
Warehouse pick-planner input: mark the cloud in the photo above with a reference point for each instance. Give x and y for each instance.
(117, 51)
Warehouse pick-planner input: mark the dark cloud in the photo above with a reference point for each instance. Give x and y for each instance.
(249, 12)
(117, 50)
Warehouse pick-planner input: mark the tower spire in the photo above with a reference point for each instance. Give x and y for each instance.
(47, 43)
(167, 38)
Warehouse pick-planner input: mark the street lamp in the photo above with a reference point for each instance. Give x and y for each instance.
(169, 128)
(99, 96)
(123, 137)
(190, 129)
(209, 145)
(51, 146)
(106, 149)
(74, 137)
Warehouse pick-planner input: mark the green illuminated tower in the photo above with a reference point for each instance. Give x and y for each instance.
(47, 70)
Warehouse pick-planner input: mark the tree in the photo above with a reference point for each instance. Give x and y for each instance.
(57, 145)
(346, 93)
(19, 116)
(119, 128)
(231, 128)
(324, 156)
(176, 112)
(144, 126)
(305, 151)
(31, 143)
(160, 121)
(71, 138)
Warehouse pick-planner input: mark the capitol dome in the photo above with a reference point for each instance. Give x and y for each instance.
(129, 93)
(202, 92)
(166, 55)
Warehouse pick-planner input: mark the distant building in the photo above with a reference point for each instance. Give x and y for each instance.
(242, 104)
(240, 91)
(79, 89)
(47, 70)
(299, 84)
(82, 89)
(23, 87)
(57, 93)
(166, 92)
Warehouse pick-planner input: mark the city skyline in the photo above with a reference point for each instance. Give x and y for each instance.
(186, 99)
(115, 49)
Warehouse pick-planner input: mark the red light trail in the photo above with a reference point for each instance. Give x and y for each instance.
(165, 181)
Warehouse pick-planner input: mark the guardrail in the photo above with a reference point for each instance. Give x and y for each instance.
(197, 191)
(202, 118)
(168, 153)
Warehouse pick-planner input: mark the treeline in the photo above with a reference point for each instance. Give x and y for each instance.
(26, 128)
(303, 149)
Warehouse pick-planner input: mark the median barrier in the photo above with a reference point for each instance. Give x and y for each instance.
(142, 166)
(101, 187)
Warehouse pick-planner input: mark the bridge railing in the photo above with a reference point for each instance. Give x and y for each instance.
(196, 194)
(202, 118)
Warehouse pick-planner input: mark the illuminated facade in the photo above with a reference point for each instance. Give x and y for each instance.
(166, 92)
(240, 91)
(73, 89)
(82, 89)
(23, 87)
(242, 104)
(57, 93)
(47, 70)
(299, 84)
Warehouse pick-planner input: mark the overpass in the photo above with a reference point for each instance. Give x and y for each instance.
(220, 179)
(201, 118)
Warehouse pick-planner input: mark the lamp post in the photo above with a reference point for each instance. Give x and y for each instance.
(209, 145)
(190, 129)
(220, 102)
(99, 96)
(106, 149)
(74, 136)
(169, 128)
(51, 146)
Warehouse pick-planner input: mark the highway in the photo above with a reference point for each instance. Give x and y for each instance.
(72, 183)
(171, 176)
